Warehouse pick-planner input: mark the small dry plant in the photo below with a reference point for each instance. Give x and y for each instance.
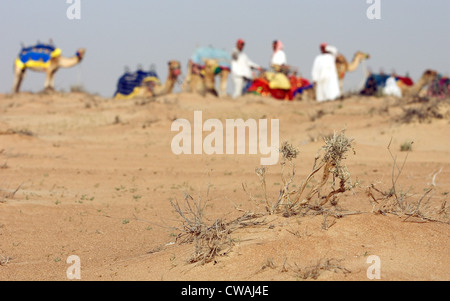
(322, 265)
(210, 241)
(310, 194)
(4, 260)
(6, 194)
(425, 112)
(397, 202)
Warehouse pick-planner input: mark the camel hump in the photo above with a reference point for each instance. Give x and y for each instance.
(202, 53)
(38, 55)
(129, 82)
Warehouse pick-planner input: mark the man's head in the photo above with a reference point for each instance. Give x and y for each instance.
(277, 45)
(240, 44)
(323, 47)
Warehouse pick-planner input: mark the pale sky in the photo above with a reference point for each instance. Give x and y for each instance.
(410, 37)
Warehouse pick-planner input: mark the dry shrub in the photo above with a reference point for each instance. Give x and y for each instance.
(6, 194)
(4, 260)
(424, 112)
(311, 194)
(210, 241)
(322, 265)
(400, 203)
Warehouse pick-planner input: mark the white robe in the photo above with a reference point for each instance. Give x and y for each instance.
(241, 71)
(242, 65)
(324, 74)
(279, 58)
(391, 88)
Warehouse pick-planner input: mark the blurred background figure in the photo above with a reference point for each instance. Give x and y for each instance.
(391, 88)
(278, 61)
(241, 68)
(324, 74)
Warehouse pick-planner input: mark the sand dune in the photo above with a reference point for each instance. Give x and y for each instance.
(92, 177)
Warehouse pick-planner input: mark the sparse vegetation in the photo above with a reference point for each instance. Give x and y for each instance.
(8, 194)
(4, 260)
(210, 241)
(398, 202)
(323, 265)
(407, 146)
(308, 198)
(310, 195)
(423, 112)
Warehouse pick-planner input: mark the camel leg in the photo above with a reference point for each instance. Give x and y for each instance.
(49, 80)
(52, 79)
(186, 86)
(223, 82)
(18, 78)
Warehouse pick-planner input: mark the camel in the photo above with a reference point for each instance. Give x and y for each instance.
(43, 58)
(202, 80)
(342, 66)
(148, 84)
(402, 86)
(196, 67)
(172, 77)
(427, 77)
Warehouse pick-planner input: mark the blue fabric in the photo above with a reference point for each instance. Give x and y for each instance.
(37, 52)
(223, 57)
(129, 81)
(380, 79)
(301, 89)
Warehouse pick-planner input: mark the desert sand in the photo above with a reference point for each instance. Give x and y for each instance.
(93, 177)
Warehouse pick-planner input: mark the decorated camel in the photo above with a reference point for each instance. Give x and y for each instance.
(411, 90)
(343, 66)
(201, 80)
(146, 83)
(204, 65)
(43, 58)
(379, 83)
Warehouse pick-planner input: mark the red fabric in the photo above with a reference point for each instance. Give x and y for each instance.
(406, 80)
(298, 82)
(261, 86)
(282, 94)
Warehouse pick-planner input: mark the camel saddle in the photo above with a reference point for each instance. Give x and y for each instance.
(37, 56)
(129, 83)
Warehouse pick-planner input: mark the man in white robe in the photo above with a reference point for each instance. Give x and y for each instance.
(324, 74)
(279, 56)
(241, 68)
(392, 88)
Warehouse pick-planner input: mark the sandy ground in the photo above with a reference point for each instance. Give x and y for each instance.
(92, 177)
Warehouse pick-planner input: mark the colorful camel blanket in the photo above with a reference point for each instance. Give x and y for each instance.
(261, 86)
(283, 88)
(129, 84)
(222, 57)
(375, 82)
(439, 87)
(299, 84)
(37, 56)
